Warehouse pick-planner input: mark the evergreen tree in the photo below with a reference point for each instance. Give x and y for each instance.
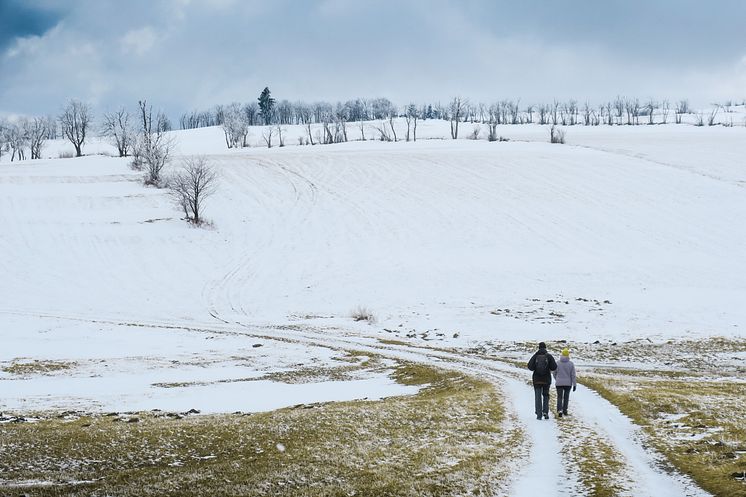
(266, 105)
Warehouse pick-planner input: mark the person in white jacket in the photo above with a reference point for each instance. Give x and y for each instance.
(565, 380)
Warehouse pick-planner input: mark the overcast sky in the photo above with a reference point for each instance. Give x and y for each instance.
(182, 54)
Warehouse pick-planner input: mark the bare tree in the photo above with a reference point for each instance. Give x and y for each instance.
(362, 115)
(154, 147)
(572, 111)
(267, 135)
(682, 107)
(609, 114)
(713, 114)
(74, 121)
(543, 113)
(392, 115)
(665, 109)
(457, 108)
(280, 137)
(650, 108)
(310, 135)
(342, 114)
(251, 110)
(493, 114)
(619, 107)
(636, 110)
(192, 185)
(3, 137)
(411, 115)
(16, 137)
(383, 132)
(555, 112)
(587, 113)
(36, 132)
(118, 129)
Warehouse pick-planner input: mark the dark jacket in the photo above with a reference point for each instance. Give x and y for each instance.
(542, 379)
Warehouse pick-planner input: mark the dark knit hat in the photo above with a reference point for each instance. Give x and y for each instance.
(542, 345)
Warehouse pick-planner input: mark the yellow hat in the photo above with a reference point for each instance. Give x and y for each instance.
(566, 352)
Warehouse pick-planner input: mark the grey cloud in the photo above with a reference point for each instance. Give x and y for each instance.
(182, 55)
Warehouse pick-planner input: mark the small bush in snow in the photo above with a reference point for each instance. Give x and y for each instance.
(556, 135)
(475, 132)
(66, 154)
(363, 314)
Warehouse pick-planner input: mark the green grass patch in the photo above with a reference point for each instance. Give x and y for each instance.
(452, 438)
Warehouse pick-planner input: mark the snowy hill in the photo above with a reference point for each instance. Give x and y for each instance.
(466, 252)
(437, 234)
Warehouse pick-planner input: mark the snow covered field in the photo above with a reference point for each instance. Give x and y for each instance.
(110, 302)
(434, 236)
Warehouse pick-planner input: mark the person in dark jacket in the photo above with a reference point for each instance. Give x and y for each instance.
(542, 364)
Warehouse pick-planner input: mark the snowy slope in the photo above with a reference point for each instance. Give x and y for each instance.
(433, 234)
(625, 232)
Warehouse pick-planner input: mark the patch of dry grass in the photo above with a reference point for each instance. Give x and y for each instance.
(450, 439)
(37, 367)
(696, 424)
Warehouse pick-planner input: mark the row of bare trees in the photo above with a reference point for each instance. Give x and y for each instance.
(30, 134)
(287, 113)
(25, 134)
(142, 135)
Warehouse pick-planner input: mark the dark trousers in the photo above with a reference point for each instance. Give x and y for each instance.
(563, 399)
(541, 399)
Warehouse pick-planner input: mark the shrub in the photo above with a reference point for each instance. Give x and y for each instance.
(475, 132)
(361, 313)
(556, 135)
(66, 154)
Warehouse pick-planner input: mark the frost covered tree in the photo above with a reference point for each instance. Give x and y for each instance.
(36, 131)
(235, 126)
(543, 113)
(118, 129)
(284, 112)
(381, 108)
(154, 146)
(456, 112)
(493, 120)
(74, 123)
(342, 114)
(192, 185)
(281, 135)
(3, 138)
(17, 139)
(650, 109)
(682, 107)
(266, 105)
(411, 114)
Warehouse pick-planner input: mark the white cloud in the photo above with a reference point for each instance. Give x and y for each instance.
(139, 41)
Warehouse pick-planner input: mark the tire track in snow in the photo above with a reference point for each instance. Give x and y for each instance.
(228, 288)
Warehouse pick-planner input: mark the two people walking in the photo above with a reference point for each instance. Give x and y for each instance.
(544, 367)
